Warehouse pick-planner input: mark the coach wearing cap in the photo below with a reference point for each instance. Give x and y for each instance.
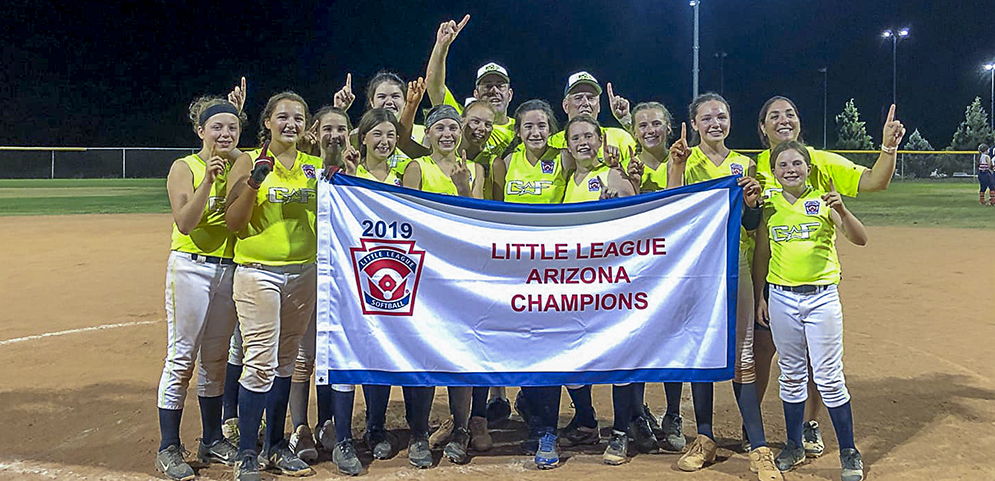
(582, 96)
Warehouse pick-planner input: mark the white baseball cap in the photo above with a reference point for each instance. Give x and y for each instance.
(579, 78)
(469, 100)
(492, 68)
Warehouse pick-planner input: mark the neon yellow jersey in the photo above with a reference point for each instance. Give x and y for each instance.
(654, 180)
(802, 241)
(617, 137)
(502, 135)
(825, 165)
(211, 237)
(543, 183)
(700, 168)
(399, 160)
(434, 180)
(282, 228)
(391, 179)
(589, 189)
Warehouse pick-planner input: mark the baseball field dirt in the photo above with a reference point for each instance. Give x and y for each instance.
(82, 335)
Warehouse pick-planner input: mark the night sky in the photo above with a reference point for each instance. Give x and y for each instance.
(123, 73)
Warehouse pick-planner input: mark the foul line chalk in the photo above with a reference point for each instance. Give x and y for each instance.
(35, 337)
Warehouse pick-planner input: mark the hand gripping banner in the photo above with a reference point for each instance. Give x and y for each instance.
(425, 289)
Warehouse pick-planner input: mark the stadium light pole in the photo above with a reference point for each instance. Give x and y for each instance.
(825, 102)
(695, 4)
(991, 116)
(895, 36)
(721, 55)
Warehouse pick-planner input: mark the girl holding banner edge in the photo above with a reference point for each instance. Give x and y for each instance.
(710, 121)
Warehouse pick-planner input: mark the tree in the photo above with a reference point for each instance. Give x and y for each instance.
(918, 165)
(974, 130)
(851, 132)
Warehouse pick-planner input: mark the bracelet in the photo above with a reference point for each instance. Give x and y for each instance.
(889, 150)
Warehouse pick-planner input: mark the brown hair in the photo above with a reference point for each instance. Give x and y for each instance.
(667, 118)
(201, 104)
(697, 103)
(371, 119)
(381, 77)
(763, 116)
(795, 145)
(264, 133)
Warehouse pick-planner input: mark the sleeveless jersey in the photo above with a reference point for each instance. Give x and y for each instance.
(589, 189)
(802, 241)
(211, 236)
(434, 180)
(825, 165)
(700, 168)
(282, 228)
(654, 180)
(391, 179)
(543, 183)
(502, 135)
(399, 160)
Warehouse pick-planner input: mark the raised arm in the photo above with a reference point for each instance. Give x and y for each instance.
(879, 176)
(435, 72)
(679, 153)
(416, 91)
(186, 201)
(851, 226)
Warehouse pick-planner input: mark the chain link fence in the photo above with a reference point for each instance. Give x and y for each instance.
(154, 162)
(88, 162)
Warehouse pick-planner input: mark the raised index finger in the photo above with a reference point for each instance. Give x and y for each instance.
(832, 187)
(611, 93)
(462, 23)
(891, 114)
(684, 132)
(348, 82)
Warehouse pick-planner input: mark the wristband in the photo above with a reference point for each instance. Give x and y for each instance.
(889, 150)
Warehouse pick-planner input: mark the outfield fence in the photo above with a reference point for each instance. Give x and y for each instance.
(154, 162)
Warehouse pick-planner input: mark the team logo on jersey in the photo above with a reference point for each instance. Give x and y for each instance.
(519, 187)
(283, 195)
(812, 207)
(216, 204)
(736, 169)
(594, 185)
(784, 233)
(547, 166)
(397, 182)
(308, 170)
(387, 275)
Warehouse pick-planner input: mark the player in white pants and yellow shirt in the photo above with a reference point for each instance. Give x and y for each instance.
(200, 314)
(272, 208)
(796, 256)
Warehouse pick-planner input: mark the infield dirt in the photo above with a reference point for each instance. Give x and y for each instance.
(919, 316)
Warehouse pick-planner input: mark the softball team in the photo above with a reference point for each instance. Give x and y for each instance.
(240, 281)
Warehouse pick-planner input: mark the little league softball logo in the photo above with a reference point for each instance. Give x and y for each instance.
(812, 207)
(593, 185)
(387, 274)
(736, 169)
(308, 170)
(547, 166)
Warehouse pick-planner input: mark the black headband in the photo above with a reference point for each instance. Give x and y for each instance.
(222, 108)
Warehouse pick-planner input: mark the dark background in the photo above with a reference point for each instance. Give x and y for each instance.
(123, 73)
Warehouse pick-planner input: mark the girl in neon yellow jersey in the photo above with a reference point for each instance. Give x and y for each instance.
(272, 208)
(532, 173)
(796, 256)
(779, 121)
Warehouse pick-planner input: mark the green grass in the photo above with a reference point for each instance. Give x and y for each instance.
(83, 196)
(927, 203)
(940, 203)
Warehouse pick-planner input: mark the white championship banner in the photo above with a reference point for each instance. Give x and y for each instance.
(425, 289)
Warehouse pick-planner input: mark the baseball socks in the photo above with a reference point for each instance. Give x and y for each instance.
(276, 412)
(299, 395)
(342, 410)
(749, 408)
(794, 418)
(842, 418)
(169, 427)
(673, 392)
(250, 408)
(210, 419)
(232, 373)
(701, 395)
(581, 398)
(325, 409)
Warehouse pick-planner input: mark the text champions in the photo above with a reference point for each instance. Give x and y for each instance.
(605, 274)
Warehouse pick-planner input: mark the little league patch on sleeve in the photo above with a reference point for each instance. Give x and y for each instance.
(812, 207)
